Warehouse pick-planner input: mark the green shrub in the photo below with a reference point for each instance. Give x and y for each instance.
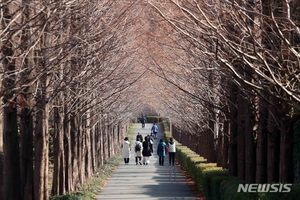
(165, 123)
(68, 197)
(210, 178)
(216, 183)
(167, 135)
(228, 190)
(188, 159)
(293, 195)
(152, 119)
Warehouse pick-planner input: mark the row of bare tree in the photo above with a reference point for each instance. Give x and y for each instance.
(74, 71)
(232, 79)
(67, 90)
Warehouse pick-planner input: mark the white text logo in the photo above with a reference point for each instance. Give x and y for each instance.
(266, 187)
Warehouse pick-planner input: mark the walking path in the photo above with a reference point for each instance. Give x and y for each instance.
(147, 181)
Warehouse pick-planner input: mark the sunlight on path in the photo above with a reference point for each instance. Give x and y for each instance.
(146, 182)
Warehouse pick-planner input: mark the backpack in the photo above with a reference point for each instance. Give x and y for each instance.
(137, 147)
(160, 148)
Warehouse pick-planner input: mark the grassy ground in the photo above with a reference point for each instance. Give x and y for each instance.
(131, 132)
(94, 186)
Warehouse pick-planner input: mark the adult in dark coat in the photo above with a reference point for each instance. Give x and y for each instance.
(143, 121)
(139, 137)
(147, 150)
(161, 151)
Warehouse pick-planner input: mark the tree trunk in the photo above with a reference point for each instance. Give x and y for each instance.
(1, 143)
(261, 147)
(74, 150)
(273, 145)
(93, 149)
(11, 175)
(26, 117)
(58, 173)
(26, 129)
(80, 151)
(88, 158)
(286, 158)
(225, 145)
(101, 149)
(1, 155)
(67, 152)
(104, 142)
(241, 135)
(296, 150)
(41, 143)
(109, 144)
(249, 146)
(12, 186)
(232, 157)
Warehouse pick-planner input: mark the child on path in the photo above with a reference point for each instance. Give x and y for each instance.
(161, 151)
(126, 150)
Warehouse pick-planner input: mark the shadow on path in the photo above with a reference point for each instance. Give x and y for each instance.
(147, 181)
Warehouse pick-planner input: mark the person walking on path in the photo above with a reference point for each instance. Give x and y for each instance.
(138, 148)
(161, 151)
(126, 150)
(150, 139)
(154, 130)
(139, 137)
(172, 151)
(147, 150)
(143, 121)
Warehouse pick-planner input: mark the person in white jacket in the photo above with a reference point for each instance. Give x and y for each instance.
(172, 151)
(126, 150)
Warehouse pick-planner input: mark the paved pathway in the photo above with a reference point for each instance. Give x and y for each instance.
(146, 181)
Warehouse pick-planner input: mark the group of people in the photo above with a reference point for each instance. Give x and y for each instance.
(163, 149)
(143, 148)
(154, 128)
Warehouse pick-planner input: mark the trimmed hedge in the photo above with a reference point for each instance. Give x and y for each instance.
(293, 195)
(69, 197)
(228, 190)
(215, 182)
(149, 119)
(152, 119)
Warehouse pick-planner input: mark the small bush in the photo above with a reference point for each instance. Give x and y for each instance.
(228, 190)
(294, 194)
(210, 178)
(67, 197)
(153, 119)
